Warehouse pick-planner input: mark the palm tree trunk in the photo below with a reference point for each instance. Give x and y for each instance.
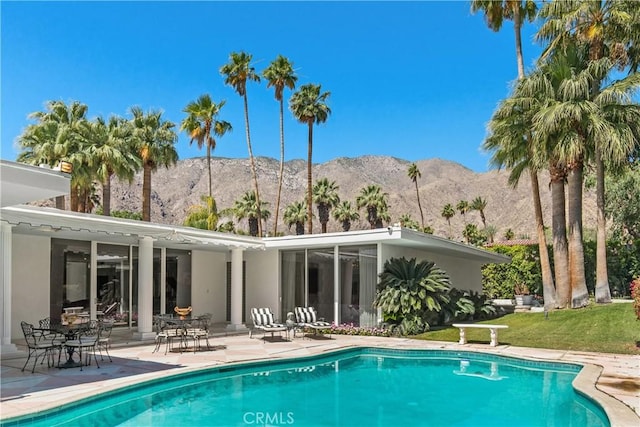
(560, 245)
(73, 198)
(517, 27)
(253, 164)
(346, 225)
(275, 226)
(548, 287)
(579, 293)
(146, 193)
(603, 293)
(309, 180)
(106, 197)
(60, 202)
(419, 205)
(209, 168)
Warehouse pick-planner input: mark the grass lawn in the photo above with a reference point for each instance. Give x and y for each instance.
(611, 328)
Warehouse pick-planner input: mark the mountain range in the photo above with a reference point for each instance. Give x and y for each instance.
(176, 189)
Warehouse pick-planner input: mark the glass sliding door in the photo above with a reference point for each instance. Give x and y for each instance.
(293, 281)
(358, 280)
(70, 276)
(320, 282)
(178, 279)
(113, 283)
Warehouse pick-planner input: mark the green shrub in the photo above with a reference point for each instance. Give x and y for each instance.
(499, 280)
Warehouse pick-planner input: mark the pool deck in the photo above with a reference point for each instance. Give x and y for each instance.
(618, 376)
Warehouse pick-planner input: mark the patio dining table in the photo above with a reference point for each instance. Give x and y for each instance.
(71, 332)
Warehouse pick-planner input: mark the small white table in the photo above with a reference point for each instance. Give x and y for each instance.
(492, 328)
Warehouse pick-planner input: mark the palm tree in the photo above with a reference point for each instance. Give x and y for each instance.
(490, 232)
(154, 139)
(296, 213)
(372, 198)
(247, 207)
(408, 222)
(448, 212)
(53, 138)
(509, 234)
(280, 74)
(237, 72)
(201, 125)
(325, 196)
(609, 29)
(344, 213)
(203, 216)
(110, 152)
(463, 208)
(308, 105)
(414, 174)
(495, 12)
(479, 204)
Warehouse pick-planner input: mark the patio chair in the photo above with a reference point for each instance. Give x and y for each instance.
(40, 344)
(104, 339)
(264, 321)
(86, 343)
(308, 318)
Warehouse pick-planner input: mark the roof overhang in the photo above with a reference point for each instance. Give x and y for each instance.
(392, 235)
(78, 226)
(21, 183)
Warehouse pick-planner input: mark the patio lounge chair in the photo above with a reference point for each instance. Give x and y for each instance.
(263, 320)
(308, 318)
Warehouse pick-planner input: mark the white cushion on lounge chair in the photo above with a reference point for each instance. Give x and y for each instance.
(263, 320)
(307, 316)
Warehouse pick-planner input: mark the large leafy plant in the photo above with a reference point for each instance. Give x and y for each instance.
(411, 294)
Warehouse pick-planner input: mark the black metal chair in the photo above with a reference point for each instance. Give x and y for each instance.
(104, 337)
(40, 344)
(86, 343)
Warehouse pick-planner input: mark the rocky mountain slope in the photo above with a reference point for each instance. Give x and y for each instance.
(174, 190)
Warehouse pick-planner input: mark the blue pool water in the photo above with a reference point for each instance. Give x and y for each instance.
(358, 387)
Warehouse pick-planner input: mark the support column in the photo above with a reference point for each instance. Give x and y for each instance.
(236, 290)
(7, 348)
(336, 285)
(145, 289)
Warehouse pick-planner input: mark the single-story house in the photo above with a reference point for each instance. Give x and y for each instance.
(54, 261)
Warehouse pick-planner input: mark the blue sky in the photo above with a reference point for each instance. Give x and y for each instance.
(414, 80)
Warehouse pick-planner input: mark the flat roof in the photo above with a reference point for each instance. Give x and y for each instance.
(393, 235)
(22, 183)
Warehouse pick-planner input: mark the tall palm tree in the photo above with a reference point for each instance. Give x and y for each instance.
(414, 174)
(296, 213)
(495, 12)
(463, 208)
(280, 74)
(610, 29)
(372, 198)
(111, 152)
(448, 212)
(344, 213)
(155, 140)
(202, 126)
(237, 72)
(479, 204)
(325, 196)
(247, 207)
(53, 138)
(308, 105)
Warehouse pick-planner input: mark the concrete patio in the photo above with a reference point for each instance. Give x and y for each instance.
(24, 392)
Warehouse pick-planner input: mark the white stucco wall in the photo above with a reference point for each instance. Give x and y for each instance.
(30, 268)
(262, 277)
(464, 274)
(208, 284)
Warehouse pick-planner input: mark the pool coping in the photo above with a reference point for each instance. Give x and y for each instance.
(585, 383)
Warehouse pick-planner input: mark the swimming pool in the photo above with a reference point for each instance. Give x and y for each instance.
(364, 386)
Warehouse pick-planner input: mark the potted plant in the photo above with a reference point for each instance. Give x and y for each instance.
(522, 294)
